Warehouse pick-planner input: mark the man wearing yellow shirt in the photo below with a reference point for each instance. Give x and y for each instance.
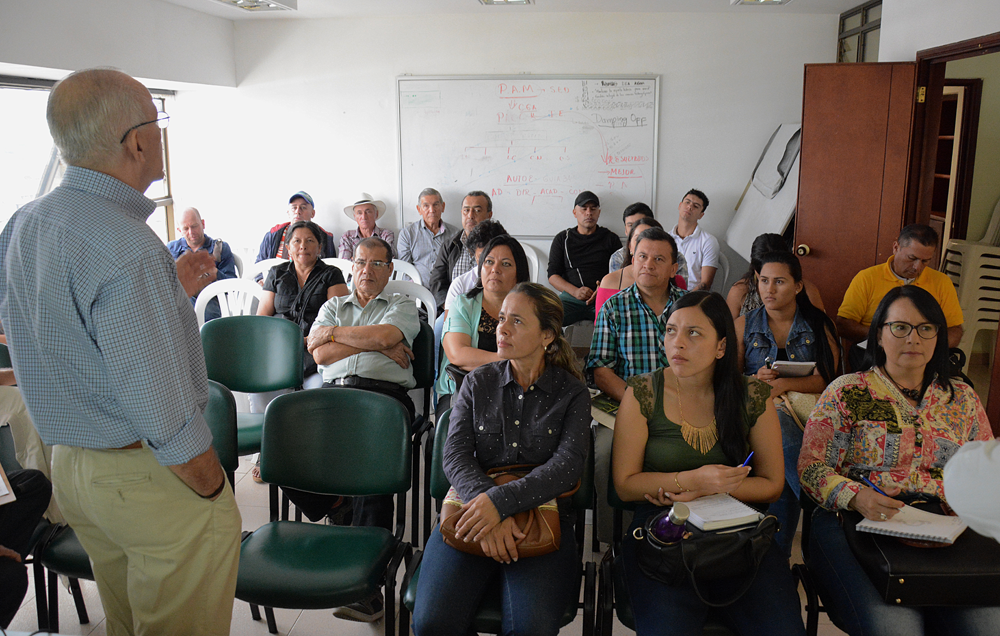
(911, 253)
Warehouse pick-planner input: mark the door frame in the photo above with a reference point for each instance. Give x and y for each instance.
(926, 122)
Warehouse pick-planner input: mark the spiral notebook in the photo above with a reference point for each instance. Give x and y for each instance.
(913, 523)
(715, 512)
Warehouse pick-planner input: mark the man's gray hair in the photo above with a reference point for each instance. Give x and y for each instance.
(428, 192)
(87, 113)
(375, 241)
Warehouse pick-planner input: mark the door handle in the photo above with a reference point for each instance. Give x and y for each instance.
(802, 250)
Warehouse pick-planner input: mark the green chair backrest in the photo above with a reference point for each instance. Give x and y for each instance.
(337, 441)
(423, 356)
(583, 498)
(220, 413)
(253, 354)
(5, 362)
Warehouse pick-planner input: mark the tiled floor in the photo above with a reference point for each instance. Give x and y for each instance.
(253, 502)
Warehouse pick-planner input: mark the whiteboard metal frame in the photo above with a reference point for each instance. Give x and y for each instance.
(523, 76)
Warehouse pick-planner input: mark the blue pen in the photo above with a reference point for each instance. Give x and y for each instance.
(747, 460)
(872, 486)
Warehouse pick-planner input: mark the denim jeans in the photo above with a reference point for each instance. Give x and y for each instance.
(855, 606)
(535, 590)
(787, 507)
(17, 522)
(770, 606)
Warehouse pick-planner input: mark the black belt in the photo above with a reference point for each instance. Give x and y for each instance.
(357, 382)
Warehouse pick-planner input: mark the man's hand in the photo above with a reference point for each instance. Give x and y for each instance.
(319, 337)
(399, 353)
(202, 473)
(7, 553)
(583, 293)
(196, 270)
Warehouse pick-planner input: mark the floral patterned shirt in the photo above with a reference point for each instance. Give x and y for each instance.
(862, 426)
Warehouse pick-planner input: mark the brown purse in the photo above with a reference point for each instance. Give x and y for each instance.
(539, 525)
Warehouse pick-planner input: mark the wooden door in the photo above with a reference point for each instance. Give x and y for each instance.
(856, 128)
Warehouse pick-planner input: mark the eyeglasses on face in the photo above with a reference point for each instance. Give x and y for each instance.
(925, 330)
(378, 265)
(161, 121)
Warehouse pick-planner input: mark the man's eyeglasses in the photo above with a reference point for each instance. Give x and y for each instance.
(162, 119)
(925, 330)
(360, 264)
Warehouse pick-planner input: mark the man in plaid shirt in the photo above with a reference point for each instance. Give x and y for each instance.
(628, 339)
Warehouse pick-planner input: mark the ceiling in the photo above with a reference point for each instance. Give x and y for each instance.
(370, 8)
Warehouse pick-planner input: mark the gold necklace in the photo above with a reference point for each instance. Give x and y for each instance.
(701, 439)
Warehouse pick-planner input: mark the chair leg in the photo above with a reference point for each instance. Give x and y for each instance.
(53, 601)
(272, 625)
(254, 611)
(41, 606)
(81, 606)
(589, 599)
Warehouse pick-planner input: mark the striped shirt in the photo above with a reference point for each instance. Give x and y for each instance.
(628, 337)
(102, 335)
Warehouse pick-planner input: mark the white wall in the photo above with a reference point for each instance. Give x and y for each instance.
(909, 26)
(315, 106)
(986, 181)
(148, 39)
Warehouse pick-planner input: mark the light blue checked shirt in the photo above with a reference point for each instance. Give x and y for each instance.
(103, 337)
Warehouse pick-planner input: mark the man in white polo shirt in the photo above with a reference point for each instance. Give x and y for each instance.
(700, 249)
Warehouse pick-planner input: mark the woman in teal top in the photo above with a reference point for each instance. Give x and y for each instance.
(683, 432)
(470, 339)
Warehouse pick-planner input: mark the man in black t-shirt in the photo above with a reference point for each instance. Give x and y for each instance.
(578, 259)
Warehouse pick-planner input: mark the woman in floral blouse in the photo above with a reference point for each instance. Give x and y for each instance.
(896, 424)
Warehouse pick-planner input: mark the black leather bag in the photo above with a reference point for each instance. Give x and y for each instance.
(966, 573)
(719, 563)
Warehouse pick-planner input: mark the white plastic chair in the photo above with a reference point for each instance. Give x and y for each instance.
(723, 270)
(345, 266)
(399, 268)
(236, 298)
(421, 294)
(261, 267)
(532, 255)
(239, 265)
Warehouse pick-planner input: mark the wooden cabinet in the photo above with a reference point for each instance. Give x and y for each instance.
(856, 128)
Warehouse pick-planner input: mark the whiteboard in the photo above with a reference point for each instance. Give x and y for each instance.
(531, 142)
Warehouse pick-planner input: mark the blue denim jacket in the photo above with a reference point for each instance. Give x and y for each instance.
(759, 343)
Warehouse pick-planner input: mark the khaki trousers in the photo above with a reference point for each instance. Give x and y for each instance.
(165, 560)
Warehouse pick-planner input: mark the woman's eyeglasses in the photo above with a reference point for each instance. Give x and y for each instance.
(925, 330)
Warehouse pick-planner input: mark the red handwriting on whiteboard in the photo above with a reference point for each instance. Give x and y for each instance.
(515, 91)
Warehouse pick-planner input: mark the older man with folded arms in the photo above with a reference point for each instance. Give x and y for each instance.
(110, 365)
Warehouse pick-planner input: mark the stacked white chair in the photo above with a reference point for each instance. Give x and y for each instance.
(974, 268)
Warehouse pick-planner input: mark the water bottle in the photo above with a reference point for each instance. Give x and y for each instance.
(669, 527)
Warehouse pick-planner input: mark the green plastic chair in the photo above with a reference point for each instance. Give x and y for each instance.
(488, 615)
(253, 354)
(5, 362)
(423, 373)
(221, 417)
(344, 442)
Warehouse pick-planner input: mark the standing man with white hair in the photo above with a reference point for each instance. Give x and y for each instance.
(420, 241)
(365, 211)
(111, 368)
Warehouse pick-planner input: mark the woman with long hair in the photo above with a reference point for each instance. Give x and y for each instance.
(787, 327)
(470, 329)
(894, 425)
(683, 432)
(743, 295)
(530, 407)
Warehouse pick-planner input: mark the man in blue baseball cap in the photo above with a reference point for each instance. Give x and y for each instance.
(300, 208)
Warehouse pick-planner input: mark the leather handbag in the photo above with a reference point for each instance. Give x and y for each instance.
(724, 561)
(965, 573)
(539, 525)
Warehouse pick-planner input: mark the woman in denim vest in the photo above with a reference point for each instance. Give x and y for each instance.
(785, 328)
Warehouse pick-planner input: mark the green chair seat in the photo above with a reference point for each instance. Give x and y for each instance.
(64, 555)
(488, 614)
(312, 566)
(249, 430)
